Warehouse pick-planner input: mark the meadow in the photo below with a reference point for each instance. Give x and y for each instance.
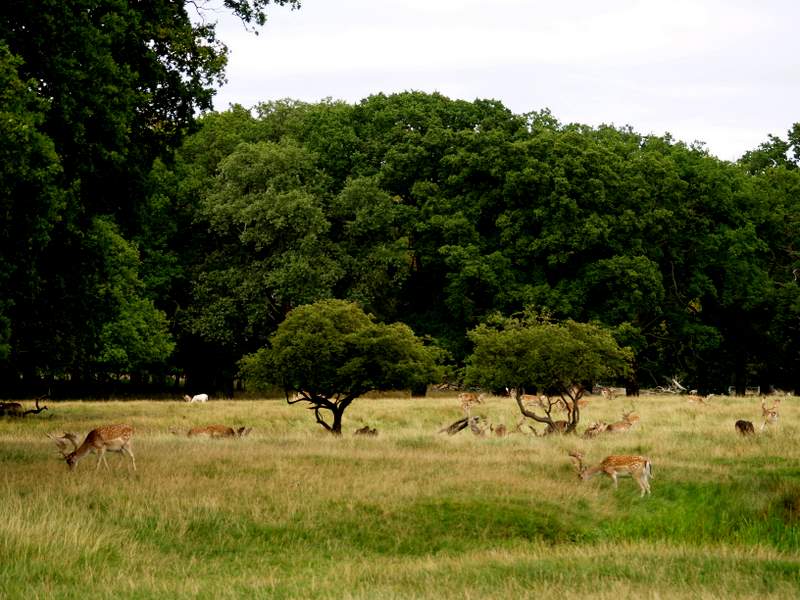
(293, 512)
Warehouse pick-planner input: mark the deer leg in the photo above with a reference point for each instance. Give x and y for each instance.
(129, 452)
(613, 476)
(100, 458)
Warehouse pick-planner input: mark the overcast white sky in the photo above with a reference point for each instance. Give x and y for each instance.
(724, 72)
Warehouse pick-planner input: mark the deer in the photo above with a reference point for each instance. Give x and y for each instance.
(770, 415)
(64, 441)
(697, 399)
(559, 427)
(367, 431)
(595, 429)
(638, 467)
(196, 398)
(629, 419)
(745, 427)
(540, 400)
(498, 430)
(12, 409)
(219, 431)
(608, 393)
(109, 438)
(468, 400)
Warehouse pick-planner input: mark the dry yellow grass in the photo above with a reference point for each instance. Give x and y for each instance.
(291, 511)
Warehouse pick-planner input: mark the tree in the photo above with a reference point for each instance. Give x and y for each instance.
(556, 359)
(30, 199)
(331, 352)
(98, 90)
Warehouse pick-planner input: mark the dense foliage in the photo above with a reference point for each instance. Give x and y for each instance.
(331, 352)
(92, 92)
(139, 244)
(555, 359)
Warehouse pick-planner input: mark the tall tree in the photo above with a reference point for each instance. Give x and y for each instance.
(119, 83)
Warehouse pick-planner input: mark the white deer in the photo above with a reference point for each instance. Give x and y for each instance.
(110, 438)
(638, 467)
(196, 398)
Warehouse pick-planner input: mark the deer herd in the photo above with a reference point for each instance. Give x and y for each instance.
(118, 437)
(639, 468)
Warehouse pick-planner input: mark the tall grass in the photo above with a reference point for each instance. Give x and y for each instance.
(291, 512)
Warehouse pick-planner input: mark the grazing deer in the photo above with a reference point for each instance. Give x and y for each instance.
(196, 398)
(110, 438)
(468, 400)
(219, 431)
(745, 427)
(638, 467)
(64, 441)
(629, 419)
(770, 414)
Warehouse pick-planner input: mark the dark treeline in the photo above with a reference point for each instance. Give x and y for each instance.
(141, 247)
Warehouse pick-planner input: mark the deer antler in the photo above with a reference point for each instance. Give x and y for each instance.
(63, 441)
(577, 461)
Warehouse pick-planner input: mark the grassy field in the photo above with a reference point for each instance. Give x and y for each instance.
(291, 512)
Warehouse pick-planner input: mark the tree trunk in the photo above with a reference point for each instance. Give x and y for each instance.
(336, 427)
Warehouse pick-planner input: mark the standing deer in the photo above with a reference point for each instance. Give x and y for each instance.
(110, 438)
(608, 393)
(638, 467)
(468, 400)
(770, 414)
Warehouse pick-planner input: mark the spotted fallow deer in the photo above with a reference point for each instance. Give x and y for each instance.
(468, 400)
(629, 419)
(559, 427)
(608, 393)
(770, 414)
(638, 467)
(110, 438)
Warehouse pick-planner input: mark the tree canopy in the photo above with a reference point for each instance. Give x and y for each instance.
(331, 352)
(551, 358)
(145, 235)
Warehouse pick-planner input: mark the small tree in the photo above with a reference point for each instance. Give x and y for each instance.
(553, 358)
(329, 353)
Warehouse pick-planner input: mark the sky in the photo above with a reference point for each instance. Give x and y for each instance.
(722, 72)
